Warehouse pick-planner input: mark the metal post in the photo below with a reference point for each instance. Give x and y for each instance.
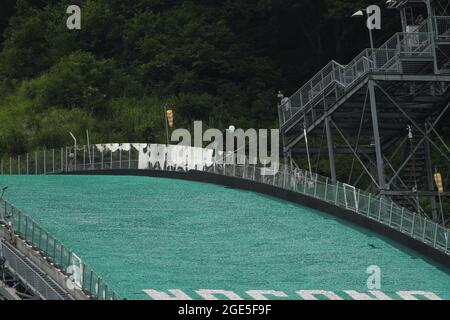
(120, 158)
(326, 189)
(379, 211)
(433, 31)
(26, 228)
(90, 282)
(35, 163)
(376, 136)
(28, 169)
(89, 147)
(446, 240)
(53, 160)
(62, 159)
(84, 157)
(413, 224)
(167, 125)
(46, 246)
(337, 193)
(330, 150)
(45, 161)
(18, 164)
(129, 157)
(424, 229)
(430, 178)
(10, 166)
(74, 150)
(390, 214)
(32, 233)
(435, 235)
(401, 219)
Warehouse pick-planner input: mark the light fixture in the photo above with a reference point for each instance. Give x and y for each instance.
(359, 13)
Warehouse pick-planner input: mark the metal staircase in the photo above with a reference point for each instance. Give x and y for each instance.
(363, 109)
(392, 57)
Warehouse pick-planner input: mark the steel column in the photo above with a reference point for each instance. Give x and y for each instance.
(376, 136)
(331, 158)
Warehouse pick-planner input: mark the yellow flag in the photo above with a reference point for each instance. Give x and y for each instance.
(170, 118)
(438, 180)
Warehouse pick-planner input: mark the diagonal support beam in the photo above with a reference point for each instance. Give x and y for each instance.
(420, 142)
(354, 152)
(415, 124)
(376, 135)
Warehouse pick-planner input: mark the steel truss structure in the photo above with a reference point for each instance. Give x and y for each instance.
(380, 114)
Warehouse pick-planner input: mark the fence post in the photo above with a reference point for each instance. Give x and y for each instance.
(379, 211)
(32, 234)
(413, 224)
(40, 239)
(102, 156)
(35, 163)
(26, 228)
(46, 246)
(90, 282)
(10, 166)
(53, 160)
(18, 164)
(315, 188)
(45, 161)
(62, 159)
(326, 189)
(446, 241)
(120, 157)
(129, 156)
(390, 214)
(435, 235)
(84, 158)
(401, 220)
(93, 157)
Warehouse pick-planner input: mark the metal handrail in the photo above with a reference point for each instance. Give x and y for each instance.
(337, 74)
(127, 156)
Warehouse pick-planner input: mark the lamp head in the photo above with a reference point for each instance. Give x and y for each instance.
(358, 14)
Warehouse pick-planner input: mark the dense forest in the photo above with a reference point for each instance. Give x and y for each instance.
(222, 62)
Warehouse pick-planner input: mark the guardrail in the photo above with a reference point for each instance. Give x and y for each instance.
(178, 158)
(334, 76)
(83, 276)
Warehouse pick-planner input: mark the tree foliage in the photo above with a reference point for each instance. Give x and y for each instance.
(221, 62)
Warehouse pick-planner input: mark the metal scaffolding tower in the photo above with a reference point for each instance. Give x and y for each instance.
(379, 114)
